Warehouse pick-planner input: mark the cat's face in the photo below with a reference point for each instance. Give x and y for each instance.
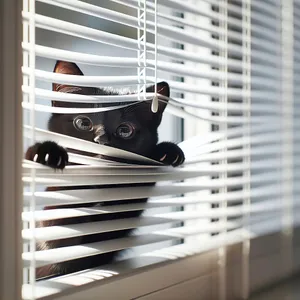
(133, 128)
(123, 128)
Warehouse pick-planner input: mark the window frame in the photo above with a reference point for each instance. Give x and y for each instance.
(11, 149)
(151, 279)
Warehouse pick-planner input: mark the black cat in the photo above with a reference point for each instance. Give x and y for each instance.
(133, 128)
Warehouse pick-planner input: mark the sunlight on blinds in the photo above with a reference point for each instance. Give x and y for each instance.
(232, 69)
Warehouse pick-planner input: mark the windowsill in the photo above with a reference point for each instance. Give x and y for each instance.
(289, 289)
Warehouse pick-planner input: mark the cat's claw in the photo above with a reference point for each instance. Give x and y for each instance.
(49, 154)
(163, 158)
(35, 158)
(176, 160)
(168, 154)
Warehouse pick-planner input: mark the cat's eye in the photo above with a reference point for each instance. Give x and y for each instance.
(125, 131)
(83, 123)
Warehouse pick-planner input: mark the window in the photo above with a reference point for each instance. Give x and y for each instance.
(222, 225)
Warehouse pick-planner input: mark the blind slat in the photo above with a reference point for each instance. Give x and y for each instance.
(114, 61)
(269, 190)
(124, 193)
(263, 209)
(256, 153)
(215, 227)
(75, 230)
(177, 86)
(183, 174)
(46, 257)
(238, 107)
(78, 173)
(81, 196)
(53, 214)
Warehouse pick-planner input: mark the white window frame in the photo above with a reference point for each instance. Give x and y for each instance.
(192, 273)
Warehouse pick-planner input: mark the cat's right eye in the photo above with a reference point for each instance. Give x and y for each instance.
(83, 123)
(125, 131)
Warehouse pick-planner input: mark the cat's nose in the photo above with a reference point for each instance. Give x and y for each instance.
(103, 140)
(99, 134)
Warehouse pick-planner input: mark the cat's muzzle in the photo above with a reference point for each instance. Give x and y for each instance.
(100, 136)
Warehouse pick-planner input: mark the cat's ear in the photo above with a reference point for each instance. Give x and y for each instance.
(155, 118)
(64, 67)
(162, 89)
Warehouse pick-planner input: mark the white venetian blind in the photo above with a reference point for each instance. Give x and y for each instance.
(232, 67)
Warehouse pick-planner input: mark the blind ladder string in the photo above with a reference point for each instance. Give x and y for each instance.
(25, 99)
(154, 106)
(287, 101)
(32, 121)
(142, 49)
(223, 56)
(246, 31)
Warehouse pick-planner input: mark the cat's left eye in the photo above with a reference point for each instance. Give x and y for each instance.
(83, 123)
(125, 131)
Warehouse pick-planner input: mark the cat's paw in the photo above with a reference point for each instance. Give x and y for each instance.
(169, 154)
(49, 154)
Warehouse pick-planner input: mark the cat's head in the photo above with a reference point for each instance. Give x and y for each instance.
(133, 128)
